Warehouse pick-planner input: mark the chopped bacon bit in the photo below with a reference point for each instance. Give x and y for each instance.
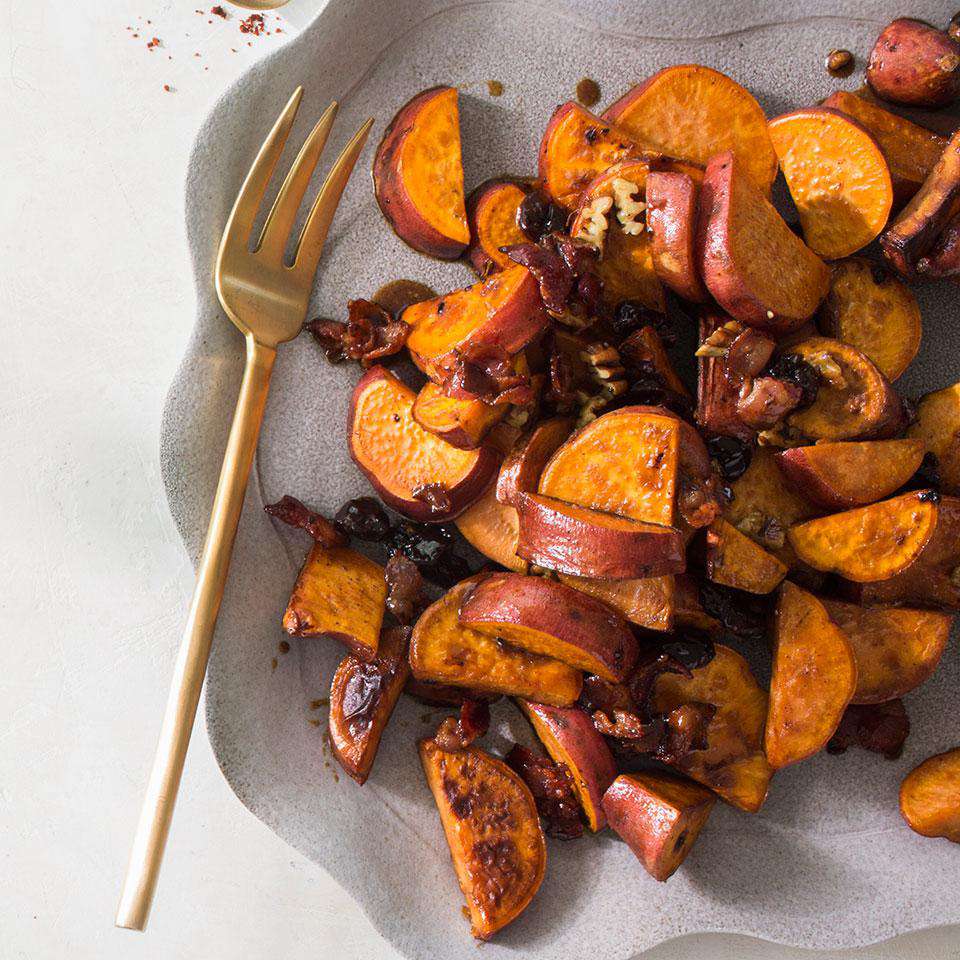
(552, 787)
(599, 694)
(405, 599)
(458, 734)
(218, 11)
(878, 727)
(166, 87)
(253, 25)
(667, 738)
(765, 401)
(153, 42)
(652, 663)
(486, 372)
(369, 334)
(559, 263)
(291, 511)
(434, 495)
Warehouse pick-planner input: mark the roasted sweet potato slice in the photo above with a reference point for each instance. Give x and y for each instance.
(493, 831)
(688, 611)
(340, 594)
(521, 468)
(734, 560)
(442, 650)
(915, 64)
(645, 346)
(362, 697)
(492, 528)
(402, 460)
(462, 423)
(672, 221)
(505, 311)
(659, 816)
(418, 175)
(875, 312)
(814, 677)
(647, 602)
(733, 765)
(546, 617)
(938, 426)
(590, 543)
(624, 462)
(869, 543)
(492, 218)
(570, 738)
(855, 400)
(739, 234)
(910, 150)
(896, 648)
(837, 176)
(717, 393)
(930, 797)
(443, 694)
(837, 476)
(693, 112)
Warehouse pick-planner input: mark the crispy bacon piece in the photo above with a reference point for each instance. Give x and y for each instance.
(458, 733)
(879, 727)
(749, 353)
(552, 787)
(765, 401)
(369, 334)
(667, 737)
(485, 371)
(291, 511)
(565, 271)
(405, 597)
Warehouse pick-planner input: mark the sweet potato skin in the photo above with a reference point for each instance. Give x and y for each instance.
(717, 393)
(645, 345)
(521, 468)
(400, 154)
(492, 219)
(493, 831)
(915, 64)
(734, 560)
(930, 797)
(493, 528)
(938, 426)
(814, 677)
(462, 423)
(672, 221)
(648, 602)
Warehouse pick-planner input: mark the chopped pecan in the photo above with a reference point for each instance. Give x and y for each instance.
(878, 727)
(291, 511)
(552, 787)
(405, 597)
(369, 334)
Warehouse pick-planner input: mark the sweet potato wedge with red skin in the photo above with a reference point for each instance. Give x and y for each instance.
(460, 422)
(915, 64)
(919, 225)
(938, 426)
(648, 602)
(838, 476)
(398, 456)
(493, 831)
(569, 737)
(492, 218)
(659, 816)
(896, 648)
(855, 400)
(505, 311)
(362, 697)
(418, 175)
(717, 394)
(875, 312)
(521, 468)
(589, 543)
(340, 594)
(739, 234)
(910, 150)
(733, 765)
(645, 345)
(870, 543)
(693, 112)
(442, 650)
(672, 221)
(734, 560)
(930, 797)
(814, 677)
(493, 528)
(548, 618)
(838, 178)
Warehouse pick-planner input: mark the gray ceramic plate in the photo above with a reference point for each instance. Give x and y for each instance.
(827, 863)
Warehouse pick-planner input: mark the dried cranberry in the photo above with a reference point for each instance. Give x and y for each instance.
(732, 456)
(630, 315)
(795, 369)
(743, 615)
(537, 216)
(365, 519)
(431, 549)
(692, 652)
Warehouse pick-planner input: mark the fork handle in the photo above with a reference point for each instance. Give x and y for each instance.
(191, 662)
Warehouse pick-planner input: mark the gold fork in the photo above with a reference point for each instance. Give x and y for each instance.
(266, 298)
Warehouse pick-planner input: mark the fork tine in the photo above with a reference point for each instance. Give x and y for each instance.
(279, 222)
(244, 212)
(310, 244)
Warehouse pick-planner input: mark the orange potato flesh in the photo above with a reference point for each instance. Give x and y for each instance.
(868, 543)
(694, 112)
(492, 216)
(645, 345)
(672, 220)
(493, 831)
(647, 602)
(492, 528)
(734, 560)
(733, 765)
(521, 468)
(938, 426)
(896, 648)
(340, 594)
(623, 462)
(838, 178)
(814, 677)
(505, 310)
(837, 476)
(462, 423)
(418, 175)
(910, 150)
(442, 650)
(875, 312)
(858, 404)
(398, 456)
(930, 797)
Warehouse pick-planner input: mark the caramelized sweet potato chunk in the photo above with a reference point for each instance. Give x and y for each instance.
(915, 64)
(492, 217)
(896, 648)
(838, 178)
(869, 543)
(938, 426)
(734, 560)
(814, 677)
(461, 422)
(493, 529)
(340, 594)
(672, 221)
(647, 602)
(493, 831)
(659, 816)
(442, 650)
(733, 764)
(521, 468)
(362, 697)
(693, 112)
(930, 797)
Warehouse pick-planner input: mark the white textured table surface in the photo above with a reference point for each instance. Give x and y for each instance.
(96, 305)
